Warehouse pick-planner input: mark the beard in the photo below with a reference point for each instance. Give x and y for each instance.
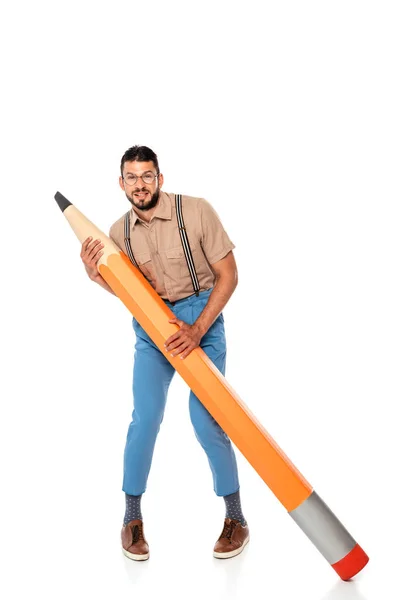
(152, 202)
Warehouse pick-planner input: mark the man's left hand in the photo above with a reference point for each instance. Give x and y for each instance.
(186, 339)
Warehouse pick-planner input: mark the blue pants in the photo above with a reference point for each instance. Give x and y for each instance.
(152, 375)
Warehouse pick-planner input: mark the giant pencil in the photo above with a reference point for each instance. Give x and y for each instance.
(210, 386)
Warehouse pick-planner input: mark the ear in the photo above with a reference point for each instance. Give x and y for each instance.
(160, 180)
(121, 183)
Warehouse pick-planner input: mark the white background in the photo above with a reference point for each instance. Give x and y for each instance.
(285, 116)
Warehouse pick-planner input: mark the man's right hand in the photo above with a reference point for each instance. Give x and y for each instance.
(90, 255)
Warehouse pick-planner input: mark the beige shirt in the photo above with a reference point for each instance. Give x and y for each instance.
(158, 250)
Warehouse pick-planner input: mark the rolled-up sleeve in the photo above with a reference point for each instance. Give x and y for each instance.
(215, 241)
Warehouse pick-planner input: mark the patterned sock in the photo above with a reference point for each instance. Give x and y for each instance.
(233, 508)
(132, 510)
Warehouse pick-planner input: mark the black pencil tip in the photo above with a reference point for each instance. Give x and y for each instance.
(62, 202)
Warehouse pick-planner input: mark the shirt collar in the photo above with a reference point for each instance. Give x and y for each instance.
(163, 209)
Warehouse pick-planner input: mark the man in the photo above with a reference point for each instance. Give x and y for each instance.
(181, 247)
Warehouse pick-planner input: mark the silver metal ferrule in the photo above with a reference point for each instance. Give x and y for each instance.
(321, 526)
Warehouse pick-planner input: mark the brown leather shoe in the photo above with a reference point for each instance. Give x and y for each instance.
(134, 544)
(232, 540)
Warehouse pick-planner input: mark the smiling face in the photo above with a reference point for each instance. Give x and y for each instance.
(141, 184)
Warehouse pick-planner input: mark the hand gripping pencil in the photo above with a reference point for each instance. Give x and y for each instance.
(258, 447)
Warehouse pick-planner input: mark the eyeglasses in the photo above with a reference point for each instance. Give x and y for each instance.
(147, 177)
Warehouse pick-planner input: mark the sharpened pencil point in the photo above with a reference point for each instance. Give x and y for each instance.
(62, 202)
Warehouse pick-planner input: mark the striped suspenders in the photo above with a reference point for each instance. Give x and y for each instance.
(127, 238)
(185, 244)
(184, 240)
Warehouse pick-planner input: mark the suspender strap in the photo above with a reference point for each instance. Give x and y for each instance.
(127, 238)
(185, 244)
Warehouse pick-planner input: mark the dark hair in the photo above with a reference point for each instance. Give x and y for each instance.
(141, 154)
